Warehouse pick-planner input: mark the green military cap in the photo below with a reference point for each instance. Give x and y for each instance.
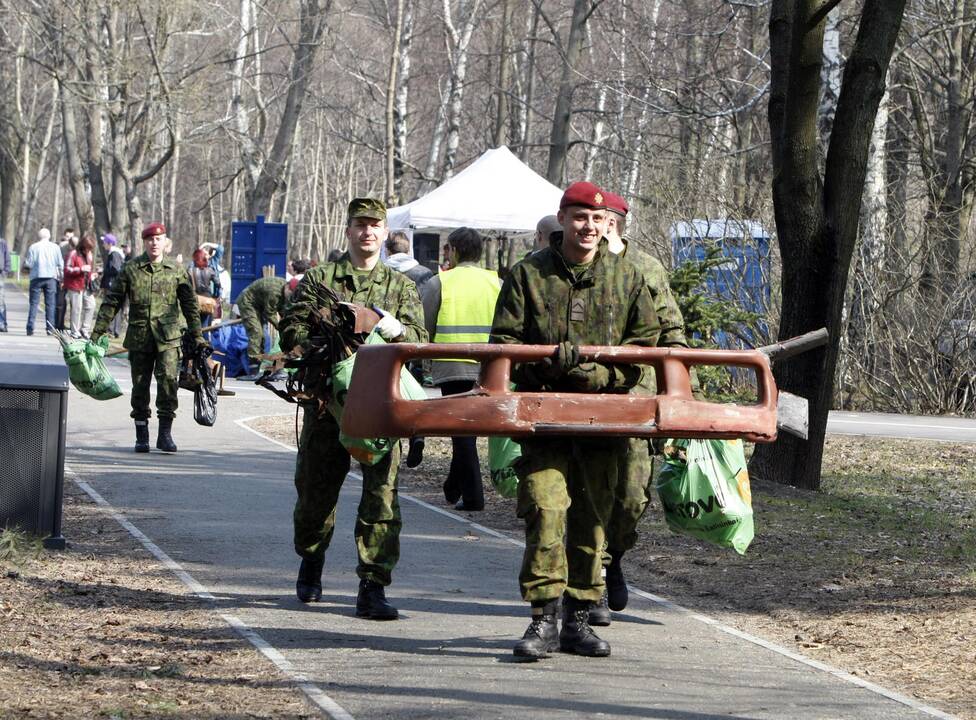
(368, 208)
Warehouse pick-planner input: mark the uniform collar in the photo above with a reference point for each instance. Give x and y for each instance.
(144, 262)
(556, 246)
(344, 268)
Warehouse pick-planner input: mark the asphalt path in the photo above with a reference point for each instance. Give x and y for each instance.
(218, 513)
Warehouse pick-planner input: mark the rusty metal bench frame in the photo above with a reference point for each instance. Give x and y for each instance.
(375, 408)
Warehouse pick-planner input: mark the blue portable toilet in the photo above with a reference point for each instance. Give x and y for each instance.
(745, 277)
(252, 246)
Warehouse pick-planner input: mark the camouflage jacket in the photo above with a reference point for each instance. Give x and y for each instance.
(668, 312)
(382, 287)
(604, 303)
(263, 297)
(161, 304)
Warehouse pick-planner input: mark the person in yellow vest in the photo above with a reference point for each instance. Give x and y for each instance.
(459, 305)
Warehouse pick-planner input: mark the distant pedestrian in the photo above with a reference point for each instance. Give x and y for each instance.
(206, 285)
(46, 265)
(4, 271)
(114, 260)
(399, 258)
(69, 241)
(458, 308)
(80, 284)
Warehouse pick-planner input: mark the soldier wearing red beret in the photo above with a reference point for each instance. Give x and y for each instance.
(635, 468)
(162, 302)
(572, 292)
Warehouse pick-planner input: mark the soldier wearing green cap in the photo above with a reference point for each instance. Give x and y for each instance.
(322, 463)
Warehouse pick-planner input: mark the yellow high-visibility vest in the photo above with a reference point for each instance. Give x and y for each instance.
(468, 296)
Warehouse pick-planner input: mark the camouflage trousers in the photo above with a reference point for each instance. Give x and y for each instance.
(165, 365)
(565, 496)
(635, 473)
(320, 470)
(255, 335)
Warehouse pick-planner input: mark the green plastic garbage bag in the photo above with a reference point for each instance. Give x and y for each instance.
(502, 454)
(86, 368)
(368, 451)
(704, 489)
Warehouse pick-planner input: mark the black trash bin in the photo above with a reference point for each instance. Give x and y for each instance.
(33, 417)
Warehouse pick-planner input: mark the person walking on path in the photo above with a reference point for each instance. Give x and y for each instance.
(259, 304)
(357, 276)
(635, 470)
(573, 292)
(161, 304)
(458, 308)
(46, 266)
(4, 271)
(399, 258)
(69, 241)
(79, 284)
(114, 260)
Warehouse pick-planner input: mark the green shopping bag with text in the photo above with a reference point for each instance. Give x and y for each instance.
(704, 489)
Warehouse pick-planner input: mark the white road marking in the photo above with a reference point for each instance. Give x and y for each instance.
(320, 699)
(904, 425)
(667, 604)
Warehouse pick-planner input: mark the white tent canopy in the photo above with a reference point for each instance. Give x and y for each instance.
(495, 192)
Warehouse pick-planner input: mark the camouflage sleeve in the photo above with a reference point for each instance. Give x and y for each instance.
(410, 312)
(271, 307)
(112, 303)
(294, 327)
(187, 298)
(508, 325)
(668, 312)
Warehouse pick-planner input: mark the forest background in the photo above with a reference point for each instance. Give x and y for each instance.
(114, 113)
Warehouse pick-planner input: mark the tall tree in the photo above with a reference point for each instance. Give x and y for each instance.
(817, 212)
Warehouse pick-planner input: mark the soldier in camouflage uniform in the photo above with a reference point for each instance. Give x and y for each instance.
(635, 467)
(572, 293)
(259, 303)
(161, 304)
(357, 276)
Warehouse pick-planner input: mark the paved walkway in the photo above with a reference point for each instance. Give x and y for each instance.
(221, 511)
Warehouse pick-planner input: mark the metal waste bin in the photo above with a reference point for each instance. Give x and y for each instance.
(33, 417)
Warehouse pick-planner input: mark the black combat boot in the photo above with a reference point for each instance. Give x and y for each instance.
(599, 612)
(372, 603)
(576, 635)
(542, 636)
(616, 594)
(142, 436)
(308, 587)
(164, 438)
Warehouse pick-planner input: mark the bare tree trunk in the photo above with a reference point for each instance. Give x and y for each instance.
(391, 86)
(525, 115)
(461, 41)
(400, 107)
(76, 174)
(504, 74)
(563, 115)
(312, 26)
(817, 215)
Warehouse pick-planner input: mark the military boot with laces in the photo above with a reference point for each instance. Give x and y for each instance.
(599, 614)
(576, 635)
(541, 637)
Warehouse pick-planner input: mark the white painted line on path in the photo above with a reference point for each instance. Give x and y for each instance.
(902, 425)
(314, 693)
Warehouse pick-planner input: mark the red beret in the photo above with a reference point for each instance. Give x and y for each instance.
(616, 203)
(584, 194)
(153, 229)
